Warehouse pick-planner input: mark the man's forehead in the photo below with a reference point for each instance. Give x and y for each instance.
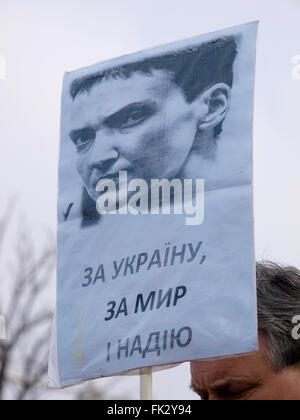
(232, 363)
(243, 368)
(215, 367)
(112, 94)
(215, 375)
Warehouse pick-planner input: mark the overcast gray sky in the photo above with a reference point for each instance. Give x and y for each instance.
(40, 40)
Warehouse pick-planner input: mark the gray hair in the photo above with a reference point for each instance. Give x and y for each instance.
(278, 294)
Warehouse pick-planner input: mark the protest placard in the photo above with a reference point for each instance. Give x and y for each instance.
(156, 259)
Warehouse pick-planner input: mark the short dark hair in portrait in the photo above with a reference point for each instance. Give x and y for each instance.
(193, 69)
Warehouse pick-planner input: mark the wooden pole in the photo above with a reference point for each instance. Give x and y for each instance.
(145, 384)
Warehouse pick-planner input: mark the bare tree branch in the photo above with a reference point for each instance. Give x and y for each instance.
(6, 218)
(24, 355)
(26, 321)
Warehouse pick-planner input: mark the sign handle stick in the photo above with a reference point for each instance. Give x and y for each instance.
(145, 384)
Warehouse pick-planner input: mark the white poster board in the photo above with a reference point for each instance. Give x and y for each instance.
(156, 259)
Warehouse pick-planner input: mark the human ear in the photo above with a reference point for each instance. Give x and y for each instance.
(216, 102)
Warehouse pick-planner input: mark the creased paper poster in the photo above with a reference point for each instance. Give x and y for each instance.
(156, 259)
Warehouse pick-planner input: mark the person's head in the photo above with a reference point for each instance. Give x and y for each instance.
(274, 372)
(146, 117)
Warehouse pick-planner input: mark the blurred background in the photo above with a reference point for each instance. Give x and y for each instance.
(39, 41)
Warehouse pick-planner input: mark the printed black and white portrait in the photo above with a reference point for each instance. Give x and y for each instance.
(155, 207)
(154, 118)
